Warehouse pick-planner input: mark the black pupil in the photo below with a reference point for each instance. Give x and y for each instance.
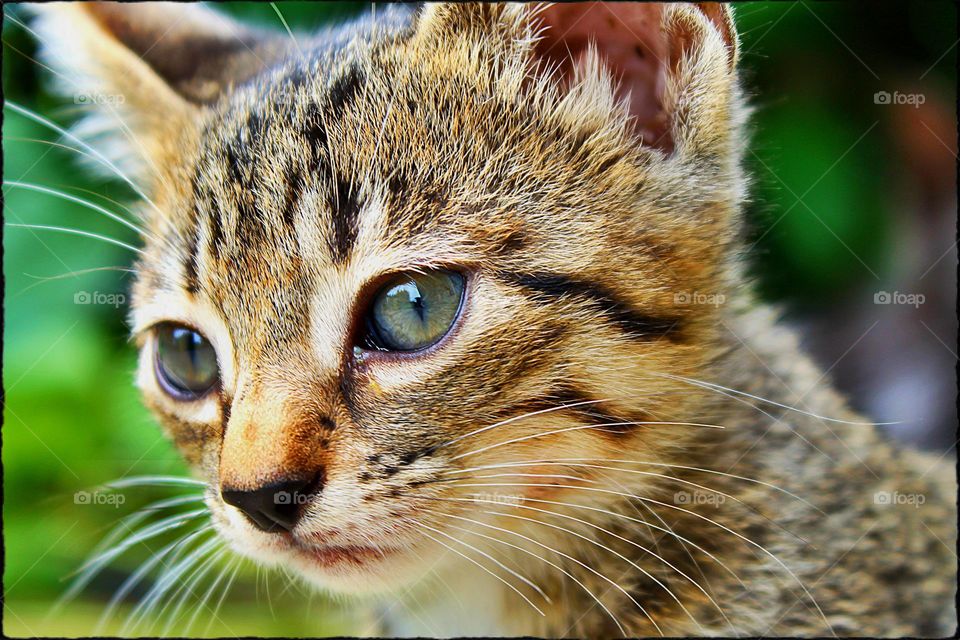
(186, 361)
(414, 310)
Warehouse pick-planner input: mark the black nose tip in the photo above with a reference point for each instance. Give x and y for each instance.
(273, 507)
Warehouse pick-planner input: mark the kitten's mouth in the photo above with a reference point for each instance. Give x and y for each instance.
(335, 555)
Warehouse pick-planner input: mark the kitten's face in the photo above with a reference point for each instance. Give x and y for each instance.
(381, 264)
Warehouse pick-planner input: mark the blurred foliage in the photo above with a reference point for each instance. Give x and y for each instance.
(73, 420)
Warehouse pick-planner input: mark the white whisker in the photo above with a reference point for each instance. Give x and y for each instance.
(27, 113)
(527, 551)
(86, 203)
(516, 418)
(687, 511)
(471, 560)
(76, 232)
(581, 427)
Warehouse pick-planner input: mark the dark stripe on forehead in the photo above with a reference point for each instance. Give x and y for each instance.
(550, 288)
(292, 193)
(214, 216)
(315, 132)
(344, 90)
(344, 211)
(191, 265)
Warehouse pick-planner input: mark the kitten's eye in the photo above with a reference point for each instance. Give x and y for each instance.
(186, 363)
(414, 310)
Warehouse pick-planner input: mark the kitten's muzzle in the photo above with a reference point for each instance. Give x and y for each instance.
(274, 507)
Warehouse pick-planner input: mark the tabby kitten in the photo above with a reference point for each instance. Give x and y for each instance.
(420, 300)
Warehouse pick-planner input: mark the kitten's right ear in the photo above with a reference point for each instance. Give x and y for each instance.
(671, 65)
(144, 70)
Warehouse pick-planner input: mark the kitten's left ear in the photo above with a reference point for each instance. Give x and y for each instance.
(143, 70)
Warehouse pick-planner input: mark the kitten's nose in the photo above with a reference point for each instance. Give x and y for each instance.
(274, 507)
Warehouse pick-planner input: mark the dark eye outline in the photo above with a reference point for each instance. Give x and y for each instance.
(163, 377)
(366, 339)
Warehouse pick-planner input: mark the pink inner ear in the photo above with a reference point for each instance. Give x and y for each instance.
(630, 41)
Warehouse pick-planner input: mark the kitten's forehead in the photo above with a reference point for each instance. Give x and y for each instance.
(380, 155)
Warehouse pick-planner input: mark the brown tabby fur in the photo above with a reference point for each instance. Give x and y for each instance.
(290, 179)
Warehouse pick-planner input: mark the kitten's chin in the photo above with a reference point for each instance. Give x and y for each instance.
(357, 571)
(348, 570)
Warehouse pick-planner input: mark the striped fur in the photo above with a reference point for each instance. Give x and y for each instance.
(290, 178)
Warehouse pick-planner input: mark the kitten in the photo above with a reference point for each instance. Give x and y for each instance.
(455, 293)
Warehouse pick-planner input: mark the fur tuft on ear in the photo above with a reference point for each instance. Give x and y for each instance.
(674, 65)
(142, 72)
(670, 67)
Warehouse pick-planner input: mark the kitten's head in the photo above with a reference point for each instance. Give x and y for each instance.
(430, 241)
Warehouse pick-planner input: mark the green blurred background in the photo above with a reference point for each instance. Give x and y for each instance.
(852, 198)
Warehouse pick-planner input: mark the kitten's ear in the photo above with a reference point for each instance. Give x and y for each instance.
(143, 70)
(672, 65)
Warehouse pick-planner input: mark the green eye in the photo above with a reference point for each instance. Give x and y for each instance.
(414, 310)
(185, 362)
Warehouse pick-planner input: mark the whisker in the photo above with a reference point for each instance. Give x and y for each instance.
(614, 514)
(76, 232)
(718, 387)
(175, 568)
(516, 418)
(688, 483)
(137, 576)
(598, 574)
(93, 566)
(564, 461)
(519, 576)
(580, 428)
(208, 594)
(153, 481)
(471, 560)
(223, 596)
(126, 523)
(85, 203)
(123, 125)
(687, 511)
(188, 588)
(27, 113)
(621, 556)
(604, 548)
(527, 551)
